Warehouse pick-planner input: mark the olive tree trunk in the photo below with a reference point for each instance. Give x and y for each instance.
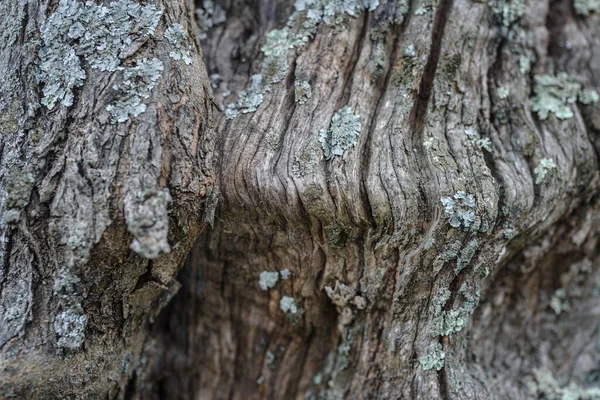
(396, 200)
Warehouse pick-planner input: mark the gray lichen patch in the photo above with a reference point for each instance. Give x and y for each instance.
(559, 302)
(178, 38)
(70, 322)
(302, 91)
(250, 99)
(542, 169)
(483, 143)
(148, 221)
(341, 294)
(409, 68)
(305, 160)
(301, 25)
(453, 321)
(543, 384)
(96, 33)
(288, 305)
(342, 133)
(586, 7)
(268, 280)
(510, 11)
(434, 359)
(556, 94)
(466, 254)
(459, 209)
(70, 325)
(138, 83)
(209, 16)
(450, 252)
(285, 274)
(18, 190)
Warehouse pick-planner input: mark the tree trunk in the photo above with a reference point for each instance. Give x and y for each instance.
(407, 200)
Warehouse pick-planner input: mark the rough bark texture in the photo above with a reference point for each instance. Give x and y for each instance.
(395, 297)
(424, 81)
(79, 192)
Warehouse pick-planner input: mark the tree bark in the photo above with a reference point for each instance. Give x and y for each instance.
(93, 197)
(445, 247)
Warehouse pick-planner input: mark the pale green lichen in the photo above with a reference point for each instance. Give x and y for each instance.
(559, 302)
(586, 7)
(268, 280)
(305, 160)
(97, 33)
(285, 274)
(343, 351)
(215, 80)
(459, 209)
(177, 37)
(435, 358)
(126, 362)
(301, 25)
(302, 91)
(588, 96)
(428, 243)
(69, 324)
(138, 83)
(248, 100)
(510, 11)
(503, 92)
(342, 133)
(288, 305)
(542, 169)
(146, 214)
(556, 94)
(466, 254)
(209, 16)
(341, 294)
(270, 358)
(524, 64)
(485, 144)
(273, 139)
(450, 253)
(544, 385)
(453, 321)
(18, 187)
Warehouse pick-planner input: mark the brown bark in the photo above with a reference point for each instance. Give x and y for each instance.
(384, 284)
(368, 219)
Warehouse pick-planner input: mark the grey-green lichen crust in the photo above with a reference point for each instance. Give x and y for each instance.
(459, 209)
(556, 94)
(138, 83)
(177, 37)
(209, 16)
(301, 26)
(97, 35)
(586, 7)
(302, 91)
(71, 320)
(147, 218)
(268, 279)
(342, 133)
(434, 359)
(288, 305)
(542, 169)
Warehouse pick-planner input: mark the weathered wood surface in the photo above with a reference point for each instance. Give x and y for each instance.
(500, 303)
